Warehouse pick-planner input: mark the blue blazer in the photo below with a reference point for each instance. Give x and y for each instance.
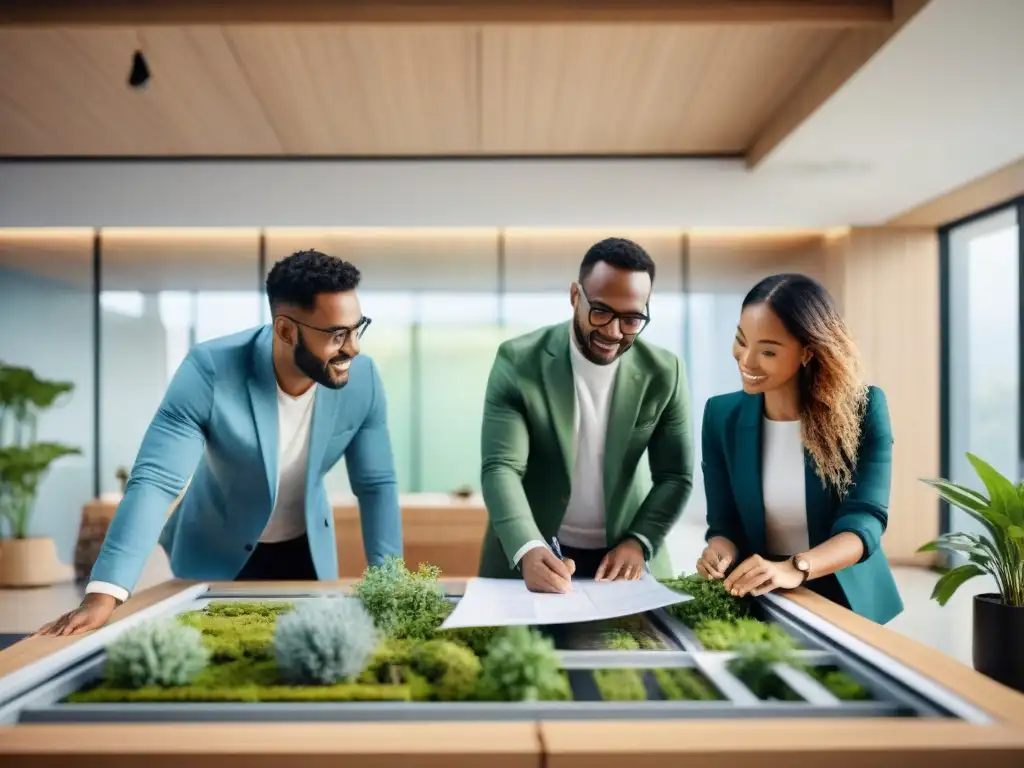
(218, 422)
(731, 446)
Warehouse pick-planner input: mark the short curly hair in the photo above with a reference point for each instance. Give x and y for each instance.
(619, 253)
(297, 279)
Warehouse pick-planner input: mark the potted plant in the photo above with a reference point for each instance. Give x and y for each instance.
(26, 560)
(998, 647)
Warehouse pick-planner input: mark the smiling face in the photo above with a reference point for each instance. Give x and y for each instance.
(610, 310)
(324, 339)
(768, 356)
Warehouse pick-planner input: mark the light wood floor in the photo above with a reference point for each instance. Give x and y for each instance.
(947, 629)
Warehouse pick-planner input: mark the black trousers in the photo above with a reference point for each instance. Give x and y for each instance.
(280, 561)
(586, 560)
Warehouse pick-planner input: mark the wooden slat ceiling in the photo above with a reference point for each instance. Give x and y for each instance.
(400, 89)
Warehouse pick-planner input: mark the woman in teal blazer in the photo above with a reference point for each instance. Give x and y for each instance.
(797, 465)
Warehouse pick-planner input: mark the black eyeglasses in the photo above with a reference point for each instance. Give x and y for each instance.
(339, 334)
(630, 323)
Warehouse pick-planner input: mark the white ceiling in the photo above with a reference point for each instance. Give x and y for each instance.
(940, 105)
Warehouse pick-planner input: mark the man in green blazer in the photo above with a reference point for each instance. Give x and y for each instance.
(570, 410)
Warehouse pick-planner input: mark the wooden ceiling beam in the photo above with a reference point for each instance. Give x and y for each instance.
(853, 50)
(180, 12)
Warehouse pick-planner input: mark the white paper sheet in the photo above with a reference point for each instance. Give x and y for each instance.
(507, 602)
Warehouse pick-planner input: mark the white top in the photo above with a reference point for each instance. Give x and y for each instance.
(584, 523)
(783, 488)
(288, 518)
(294, 415)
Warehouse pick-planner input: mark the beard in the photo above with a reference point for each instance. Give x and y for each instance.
(319, 370)
(583, 342)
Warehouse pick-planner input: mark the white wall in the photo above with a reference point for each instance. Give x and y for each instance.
(459, 193)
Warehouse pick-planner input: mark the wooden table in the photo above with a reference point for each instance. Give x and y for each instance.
(838, 743)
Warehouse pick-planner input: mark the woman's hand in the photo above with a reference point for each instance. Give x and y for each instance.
(716, 558)
(757, 576)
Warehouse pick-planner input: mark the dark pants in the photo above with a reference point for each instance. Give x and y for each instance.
(586, 560)
(279, 561)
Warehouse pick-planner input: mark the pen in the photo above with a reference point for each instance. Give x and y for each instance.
(557, 549)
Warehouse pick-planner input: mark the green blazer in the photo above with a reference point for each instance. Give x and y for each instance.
(731, 461)
(527, 447)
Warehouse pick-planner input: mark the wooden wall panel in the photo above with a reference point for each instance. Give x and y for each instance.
(887, 283)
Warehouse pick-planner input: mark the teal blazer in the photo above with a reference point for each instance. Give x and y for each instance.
(218, 422)
(731, 462)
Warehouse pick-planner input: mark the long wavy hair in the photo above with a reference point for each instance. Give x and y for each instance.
(833, 394)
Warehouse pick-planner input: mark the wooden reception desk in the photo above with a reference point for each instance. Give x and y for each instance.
(437, 528)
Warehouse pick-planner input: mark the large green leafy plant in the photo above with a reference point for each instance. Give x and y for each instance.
(23, 460)
(999, 550)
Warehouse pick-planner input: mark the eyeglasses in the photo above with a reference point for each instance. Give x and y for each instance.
(339, 334)
(630, 323)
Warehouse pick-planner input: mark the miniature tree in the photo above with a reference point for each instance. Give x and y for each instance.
(324, 641)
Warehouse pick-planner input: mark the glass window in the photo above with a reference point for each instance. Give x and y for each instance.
(984, 350)
(457, 337)
(163, 291)
(46, 310)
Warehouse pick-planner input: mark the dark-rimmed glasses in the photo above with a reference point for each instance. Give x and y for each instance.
(630, 323)
(339, 333)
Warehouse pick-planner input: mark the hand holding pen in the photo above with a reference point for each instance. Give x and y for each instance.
(545, 570)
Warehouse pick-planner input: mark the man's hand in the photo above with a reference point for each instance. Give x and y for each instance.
(716, 558)
(544, 572)
(93, 613)
(757, 576)
(626, 561)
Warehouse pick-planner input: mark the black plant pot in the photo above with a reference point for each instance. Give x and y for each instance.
(999, 640)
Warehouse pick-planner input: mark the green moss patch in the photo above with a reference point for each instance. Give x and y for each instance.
(621, 684)
(842, 685)
(682, 684)
(721, 635)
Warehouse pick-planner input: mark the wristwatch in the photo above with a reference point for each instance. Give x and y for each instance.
(801, 564)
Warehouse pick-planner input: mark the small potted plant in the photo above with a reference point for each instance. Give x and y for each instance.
(26, 560)
(998, 647)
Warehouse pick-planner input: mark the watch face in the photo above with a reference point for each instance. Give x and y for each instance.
(802, 565)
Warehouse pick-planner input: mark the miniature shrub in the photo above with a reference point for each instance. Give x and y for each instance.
(158, 653)
(522, 665)
(477, 639)
(681, 684)
(402, 603)
(711, 600)
(324, 641)
(842, 686)
(436, 670)
(720, 635)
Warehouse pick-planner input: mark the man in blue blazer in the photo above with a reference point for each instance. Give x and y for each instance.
(256, 419)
